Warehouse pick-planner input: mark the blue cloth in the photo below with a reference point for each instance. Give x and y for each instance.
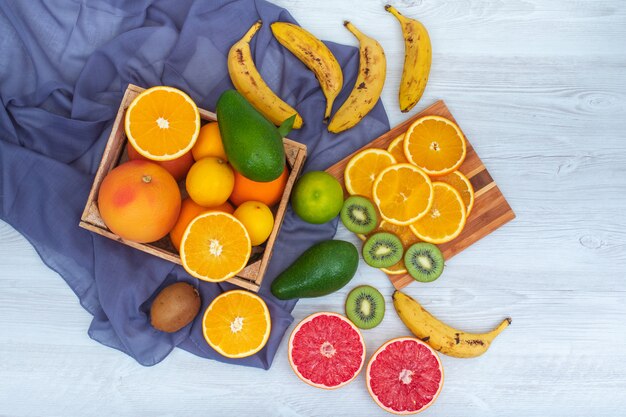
(64, 66)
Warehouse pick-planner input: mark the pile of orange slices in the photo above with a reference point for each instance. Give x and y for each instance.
(415, 183)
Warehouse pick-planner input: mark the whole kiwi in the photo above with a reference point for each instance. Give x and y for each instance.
(174, 307)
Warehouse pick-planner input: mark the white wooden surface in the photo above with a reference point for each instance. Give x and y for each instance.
(540, 88)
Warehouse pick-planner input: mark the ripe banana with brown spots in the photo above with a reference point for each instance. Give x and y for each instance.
(417, 60)
(315, 55)
(368, 86)
(248, 82)
(440, 336)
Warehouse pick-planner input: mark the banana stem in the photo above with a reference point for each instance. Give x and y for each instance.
(252, 31)
(395, 12)
(505, 323)
(357, 33)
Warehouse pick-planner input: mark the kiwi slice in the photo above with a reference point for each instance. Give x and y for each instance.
(358, 214)
(382, 250)
(424, 262)
(365, 307)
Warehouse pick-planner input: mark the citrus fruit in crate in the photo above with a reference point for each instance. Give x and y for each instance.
(403, 193)
(317, 197)
(177, 167)
(396, 149)
(463, 185)
(162, 123)
(210, 181)
(139, 201)
(404, 376)
(209, 143)
(326, 350)
(435, 144)
(237, 324)
(257, 219)
(215, 247)
(363, 168)
(188, 211)
(446, 217)
(268, 193)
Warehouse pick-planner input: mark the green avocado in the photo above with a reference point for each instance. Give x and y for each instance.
(322, 269)
(254, 146)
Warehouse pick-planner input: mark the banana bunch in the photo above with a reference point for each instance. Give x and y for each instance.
(248, 82)
(440, 336)
(321, 61)
(417, 60)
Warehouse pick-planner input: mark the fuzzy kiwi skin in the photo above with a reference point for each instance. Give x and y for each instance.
(174, 307)
(351, 306)
(382, 263)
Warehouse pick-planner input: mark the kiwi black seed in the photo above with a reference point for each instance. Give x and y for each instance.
(175, 307)
(424, 262)
(382, 250)
(365, 307)
(358, 214)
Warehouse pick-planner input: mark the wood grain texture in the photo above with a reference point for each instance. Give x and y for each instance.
(540, 89)
(252, 275)
(490, 211)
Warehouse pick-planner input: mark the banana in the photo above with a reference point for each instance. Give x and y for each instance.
(440, 336)
(368, 86)
(248, 82)
(315, 55)
(417, 60)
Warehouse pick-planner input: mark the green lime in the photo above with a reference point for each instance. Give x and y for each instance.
(317, 197)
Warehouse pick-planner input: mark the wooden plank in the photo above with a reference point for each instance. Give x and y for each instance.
(252, 275)
(490, 211)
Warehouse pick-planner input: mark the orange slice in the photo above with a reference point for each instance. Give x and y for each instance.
(407, 237)
(237, 324)
(403, 194)
(445, 219)
(463, 185)
(396, 148)
(162, 123)
(215, 247)
(363, 168)
(435, 144)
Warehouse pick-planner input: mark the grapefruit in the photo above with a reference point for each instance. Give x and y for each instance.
(405, 376)
(139, 201)
(326, 350)
(177, 167)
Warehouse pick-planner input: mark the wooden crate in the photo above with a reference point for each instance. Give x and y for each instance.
(490, 211)
(252, 275)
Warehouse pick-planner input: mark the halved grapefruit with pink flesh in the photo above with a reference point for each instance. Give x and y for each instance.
(404, 376)
(326, 350)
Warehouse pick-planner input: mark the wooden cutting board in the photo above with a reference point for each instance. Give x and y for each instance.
(490, 210)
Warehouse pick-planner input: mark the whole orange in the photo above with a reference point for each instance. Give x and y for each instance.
(209, 143)
(268, 193)
(177, 167)
(189, 210)
(139, 201)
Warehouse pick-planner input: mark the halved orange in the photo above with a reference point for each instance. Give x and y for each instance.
(396, 148)
(403, 194)
(363, 168)
(445, 219)
(237, 324)
(162, 123)
(215, 247)
(463, 185)
(407, 237)
(435, 144)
